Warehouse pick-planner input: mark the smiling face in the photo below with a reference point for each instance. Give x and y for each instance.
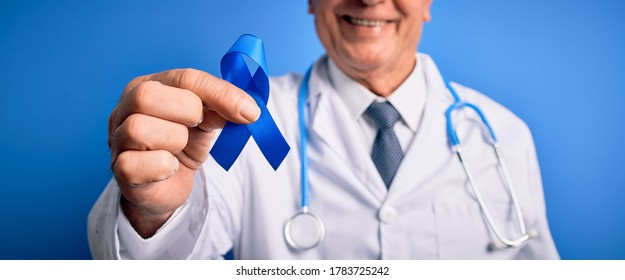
(370, 38)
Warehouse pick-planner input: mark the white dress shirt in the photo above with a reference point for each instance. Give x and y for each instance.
(408, 99)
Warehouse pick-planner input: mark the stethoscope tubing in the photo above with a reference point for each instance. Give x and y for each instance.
(457, 147)
(303, 136)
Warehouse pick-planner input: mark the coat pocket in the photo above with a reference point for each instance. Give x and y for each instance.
(464, 233)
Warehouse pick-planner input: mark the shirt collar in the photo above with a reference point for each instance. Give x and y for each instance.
(408, 98)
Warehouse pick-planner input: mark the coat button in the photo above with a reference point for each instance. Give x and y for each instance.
(387, 214)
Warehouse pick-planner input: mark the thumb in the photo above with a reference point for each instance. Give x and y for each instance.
(216, 94)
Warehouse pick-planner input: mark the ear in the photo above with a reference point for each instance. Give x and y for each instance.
(427, 15)
(311, 6)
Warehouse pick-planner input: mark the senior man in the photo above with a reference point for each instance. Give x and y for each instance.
(384, 183)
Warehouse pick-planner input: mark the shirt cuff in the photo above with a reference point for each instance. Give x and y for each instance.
(172, 241)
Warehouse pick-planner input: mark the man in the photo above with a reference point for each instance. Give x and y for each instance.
(169, 199)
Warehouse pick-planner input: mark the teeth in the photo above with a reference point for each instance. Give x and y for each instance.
(366, 22)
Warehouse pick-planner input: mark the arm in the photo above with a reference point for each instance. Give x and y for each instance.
(200, 229)
(111, 236)
(160, 134)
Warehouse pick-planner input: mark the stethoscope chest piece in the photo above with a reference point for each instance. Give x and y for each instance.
(304, 231)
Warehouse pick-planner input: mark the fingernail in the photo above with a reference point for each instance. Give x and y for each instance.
(201, 119)
(250, 110)
(176, 164)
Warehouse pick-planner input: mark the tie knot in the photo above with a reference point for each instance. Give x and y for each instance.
(383, 114)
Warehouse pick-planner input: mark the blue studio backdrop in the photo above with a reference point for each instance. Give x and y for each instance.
(558, 64)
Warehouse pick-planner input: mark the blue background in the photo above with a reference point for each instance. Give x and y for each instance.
(558, 64)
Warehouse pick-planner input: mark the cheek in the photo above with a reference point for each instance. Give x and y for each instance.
(410, 32)
(412, 35)
(326, 31)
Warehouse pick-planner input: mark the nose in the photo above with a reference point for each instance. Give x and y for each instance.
(372, 2)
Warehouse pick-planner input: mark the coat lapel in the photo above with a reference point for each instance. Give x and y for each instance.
(423, 156)
(338, 134)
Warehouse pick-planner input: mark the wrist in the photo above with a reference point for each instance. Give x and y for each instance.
(145, 223)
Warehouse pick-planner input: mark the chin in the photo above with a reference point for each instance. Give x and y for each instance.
(367, 55)
(366, 60)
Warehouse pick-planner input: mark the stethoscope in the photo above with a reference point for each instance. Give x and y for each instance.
(306, 230)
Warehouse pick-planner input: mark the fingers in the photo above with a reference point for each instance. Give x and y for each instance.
(142, 132)
(136, 168)
(164, 122)
(212, 120)
(216, 94)
(161, 101)
(196, 151)
(162, 196)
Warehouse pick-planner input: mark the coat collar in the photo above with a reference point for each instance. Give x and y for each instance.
(330, 122)
(407, 99)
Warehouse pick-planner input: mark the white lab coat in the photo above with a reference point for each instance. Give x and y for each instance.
(429, 212)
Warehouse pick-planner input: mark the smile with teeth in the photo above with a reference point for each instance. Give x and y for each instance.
(364, 22)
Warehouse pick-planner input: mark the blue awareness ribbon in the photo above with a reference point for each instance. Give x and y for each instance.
(249, 49)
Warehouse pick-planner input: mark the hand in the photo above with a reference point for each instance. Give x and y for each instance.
(159, 135)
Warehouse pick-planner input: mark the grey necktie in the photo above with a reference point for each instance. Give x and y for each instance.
(386, 152)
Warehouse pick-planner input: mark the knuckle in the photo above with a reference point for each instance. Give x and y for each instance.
(136, 80)
(125, 167)
(143, 95)
(134, 128)
(132, 84)
(228, 95)
(188, 77)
